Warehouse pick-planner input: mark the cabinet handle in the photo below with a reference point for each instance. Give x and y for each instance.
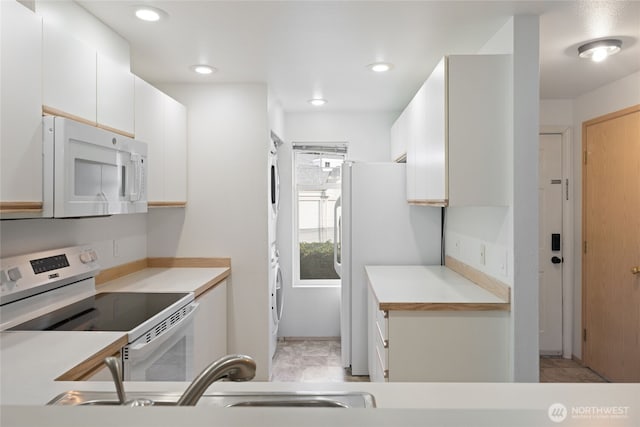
(385, 343)
(635, 270)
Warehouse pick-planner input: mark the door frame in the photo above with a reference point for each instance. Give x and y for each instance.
(583, 147)
(567, 239)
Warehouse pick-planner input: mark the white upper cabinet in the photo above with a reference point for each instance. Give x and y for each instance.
(82, 84)
(161, 122)
(20, 111)
(69, 75)
(399, 138)
(175, 131)
(459, 133)
(115, 96)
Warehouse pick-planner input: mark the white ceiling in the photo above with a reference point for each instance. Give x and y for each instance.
(304, 49)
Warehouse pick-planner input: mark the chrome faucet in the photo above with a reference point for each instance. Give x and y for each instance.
(235, 367)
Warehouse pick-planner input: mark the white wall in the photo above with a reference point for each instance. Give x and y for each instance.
(226, 213)
(32, 235)
(315, 312)
(510, 233)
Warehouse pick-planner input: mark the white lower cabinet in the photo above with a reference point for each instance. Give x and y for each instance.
(210, 327)
(438, 346)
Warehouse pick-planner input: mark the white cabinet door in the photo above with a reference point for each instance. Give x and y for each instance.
(399, 138)
(21, 110)
(115, 96)
(69, 75)
(459, 133)
(428, 130)
(175, 147)
(161, 122)
(149, 128)
(479, 117)
(210, 327)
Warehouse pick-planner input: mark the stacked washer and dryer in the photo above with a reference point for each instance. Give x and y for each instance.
(275, 275)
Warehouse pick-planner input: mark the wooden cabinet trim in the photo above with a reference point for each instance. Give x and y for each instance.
(12, 207)
(173, 204)
(114, 130)
(56, 112)
(439, 203)
(445, 306)
(89, 365)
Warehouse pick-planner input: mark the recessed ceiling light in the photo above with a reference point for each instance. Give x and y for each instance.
(203, 69)
(599, 50)
(380, 67)
(317, 102)
(150, 14)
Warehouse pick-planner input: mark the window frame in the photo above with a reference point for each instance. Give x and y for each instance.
(297, 282)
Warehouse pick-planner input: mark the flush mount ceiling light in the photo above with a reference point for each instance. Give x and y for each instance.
(150, 14)
(203, 69)
(599, 50)
(317, 102)
(380, 67)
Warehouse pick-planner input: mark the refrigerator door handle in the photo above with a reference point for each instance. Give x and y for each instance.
(337, 232)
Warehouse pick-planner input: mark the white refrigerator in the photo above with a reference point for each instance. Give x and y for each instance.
(376, 226)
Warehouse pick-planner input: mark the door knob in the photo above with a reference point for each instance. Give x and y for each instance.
(635, 270)
(556, 260)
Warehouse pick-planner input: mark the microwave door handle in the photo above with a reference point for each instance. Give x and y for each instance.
(136, 161)
(337, 219)
(143, 349)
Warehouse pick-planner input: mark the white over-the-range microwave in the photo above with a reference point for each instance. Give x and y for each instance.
(89, 171)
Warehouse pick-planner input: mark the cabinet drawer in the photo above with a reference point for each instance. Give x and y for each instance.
(382, 371)
(381, 323)
(382, 348)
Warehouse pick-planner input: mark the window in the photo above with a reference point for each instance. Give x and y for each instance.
(317, 187)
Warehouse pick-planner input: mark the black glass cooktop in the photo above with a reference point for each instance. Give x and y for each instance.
(112, 311)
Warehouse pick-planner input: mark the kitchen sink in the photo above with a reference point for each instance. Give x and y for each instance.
(227, 400)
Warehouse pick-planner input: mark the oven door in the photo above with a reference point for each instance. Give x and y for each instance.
(165, 353)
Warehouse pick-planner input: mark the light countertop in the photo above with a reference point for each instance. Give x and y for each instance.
(182, 279)
(422, 287)
(30, 361)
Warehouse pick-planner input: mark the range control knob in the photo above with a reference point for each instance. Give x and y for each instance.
(85, 257)
(14, 274)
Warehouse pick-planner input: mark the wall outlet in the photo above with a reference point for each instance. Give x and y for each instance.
(483, 254)
(116, 249)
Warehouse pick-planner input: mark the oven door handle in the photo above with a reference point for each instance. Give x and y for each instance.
(140, 347)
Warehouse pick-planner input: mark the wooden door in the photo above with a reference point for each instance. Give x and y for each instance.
(611, 246)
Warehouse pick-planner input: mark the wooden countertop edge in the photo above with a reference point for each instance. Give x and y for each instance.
(212, 283)
(122, 270)
(86, 366)
(444, 306)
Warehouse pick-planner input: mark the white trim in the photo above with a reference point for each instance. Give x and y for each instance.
(567, 240)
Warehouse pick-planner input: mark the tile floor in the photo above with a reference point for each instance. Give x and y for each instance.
(559, 370)
(312, 360)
